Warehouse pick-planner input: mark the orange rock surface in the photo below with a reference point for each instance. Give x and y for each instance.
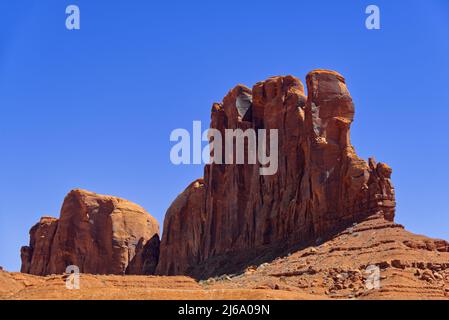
(320, 188)
(98, 234)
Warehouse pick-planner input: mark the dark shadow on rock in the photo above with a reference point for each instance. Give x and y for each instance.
(147, 257)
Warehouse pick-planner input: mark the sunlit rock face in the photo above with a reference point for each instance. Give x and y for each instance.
(321, 186)
(98, 234)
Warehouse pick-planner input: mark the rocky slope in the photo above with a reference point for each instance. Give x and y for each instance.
(408, 266)
(321, 185)
(98, 234)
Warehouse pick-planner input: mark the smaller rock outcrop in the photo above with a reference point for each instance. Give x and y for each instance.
(98, 234)
(36, 256)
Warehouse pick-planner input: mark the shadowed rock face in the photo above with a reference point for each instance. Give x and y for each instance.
(321, 185)
(99, 234)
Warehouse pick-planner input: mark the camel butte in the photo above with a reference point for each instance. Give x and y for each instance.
(321, 227)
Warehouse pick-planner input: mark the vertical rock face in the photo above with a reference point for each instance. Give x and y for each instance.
(36, 256)
(320, 187)
(184, 227)
(99, 234)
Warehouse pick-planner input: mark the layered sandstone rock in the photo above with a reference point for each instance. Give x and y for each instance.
(98, 234)
(321, 185)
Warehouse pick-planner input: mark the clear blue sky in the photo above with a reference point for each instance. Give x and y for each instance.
(94, 108)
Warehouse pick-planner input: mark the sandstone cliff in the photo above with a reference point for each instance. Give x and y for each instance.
(320, 188)
(99, 234)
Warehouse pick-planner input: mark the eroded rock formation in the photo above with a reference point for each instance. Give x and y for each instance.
(321, 185)
(99, 234)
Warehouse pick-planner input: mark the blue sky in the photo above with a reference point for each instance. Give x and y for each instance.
(94, 108)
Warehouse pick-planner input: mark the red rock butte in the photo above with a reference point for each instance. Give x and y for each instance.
(320, 188)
